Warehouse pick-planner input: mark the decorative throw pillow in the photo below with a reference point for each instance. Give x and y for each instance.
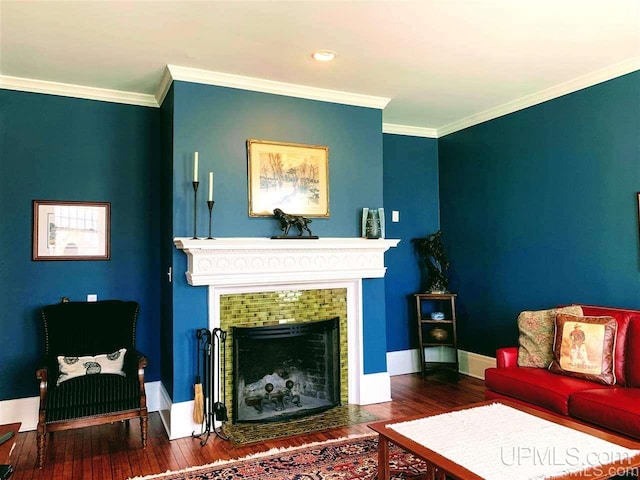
(584, 348)
(536, 335)
(71, 367)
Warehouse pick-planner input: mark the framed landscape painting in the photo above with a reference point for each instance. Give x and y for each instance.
(289, 176)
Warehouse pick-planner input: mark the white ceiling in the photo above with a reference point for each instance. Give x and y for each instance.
(439, 61)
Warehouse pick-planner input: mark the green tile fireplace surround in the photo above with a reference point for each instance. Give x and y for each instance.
(261, 309)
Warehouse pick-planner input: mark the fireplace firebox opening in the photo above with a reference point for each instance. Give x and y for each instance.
(285, 371)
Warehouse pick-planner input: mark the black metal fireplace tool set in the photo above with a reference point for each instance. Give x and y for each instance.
(209, 342)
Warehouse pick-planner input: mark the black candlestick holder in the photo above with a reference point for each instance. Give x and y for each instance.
(195, 184)
(210, 205)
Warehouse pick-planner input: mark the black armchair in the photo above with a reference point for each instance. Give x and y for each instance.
(79, 329)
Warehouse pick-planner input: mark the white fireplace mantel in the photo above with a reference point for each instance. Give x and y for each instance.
(256, 261)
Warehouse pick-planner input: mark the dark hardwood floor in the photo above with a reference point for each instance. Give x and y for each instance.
(114, 451)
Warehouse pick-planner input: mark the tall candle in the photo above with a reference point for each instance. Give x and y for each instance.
(210, 186)
(195, 167)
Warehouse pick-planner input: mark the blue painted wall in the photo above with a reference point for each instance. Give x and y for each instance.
(69, 149)
(538, 208)
(216, 122)
(411, 187)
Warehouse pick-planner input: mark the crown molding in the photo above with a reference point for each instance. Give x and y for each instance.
(163, 86)
(207, 77)
(173, 72)
(409, 130)
(76, 91)
(580, 83)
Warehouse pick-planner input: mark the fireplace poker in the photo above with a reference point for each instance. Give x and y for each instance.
(219, 408)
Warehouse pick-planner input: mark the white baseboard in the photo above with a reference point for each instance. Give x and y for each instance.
(408, 361)
(403, 362)
(177, 418)
(153, 395)
(165, 409)
(375, 388)
(474, 364)
(25, 410)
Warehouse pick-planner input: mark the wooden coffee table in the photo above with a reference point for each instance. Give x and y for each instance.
(441, 467)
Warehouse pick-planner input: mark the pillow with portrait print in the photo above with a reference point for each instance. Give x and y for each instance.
(535, 338)
(584, 347)
(72, 367)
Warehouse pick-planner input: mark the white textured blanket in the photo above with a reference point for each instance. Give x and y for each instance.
(498, 442)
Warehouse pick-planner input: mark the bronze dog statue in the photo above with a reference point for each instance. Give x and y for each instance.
(287, 221)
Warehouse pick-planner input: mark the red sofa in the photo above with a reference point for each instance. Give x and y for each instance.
(611, 407)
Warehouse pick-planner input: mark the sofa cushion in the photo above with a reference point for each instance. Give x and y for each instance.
(614, 408)
(584, 348)
(633, 353)
(623, 317)
(535, 337)
(536, 385)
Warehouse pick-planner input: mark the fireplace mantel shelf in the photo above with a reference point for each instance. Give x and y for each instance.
(260, 261)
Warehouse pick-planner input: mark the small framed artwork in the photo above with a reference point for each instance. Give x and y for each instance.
(69, 230)
(289, 176)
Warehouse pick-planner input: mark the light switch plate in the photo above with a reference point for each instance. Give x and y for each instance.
(395, 216)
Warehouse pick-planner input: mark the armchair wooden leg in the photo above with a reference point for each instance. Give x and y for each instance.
(143, 429)
(41, 437)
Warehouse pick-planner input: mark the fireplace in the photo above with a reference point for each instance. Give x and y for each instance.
(232, 267)
(285, 371)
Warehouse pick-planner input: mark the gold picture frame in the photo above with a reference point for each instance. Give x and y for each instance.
(290, 176)
(70, 230)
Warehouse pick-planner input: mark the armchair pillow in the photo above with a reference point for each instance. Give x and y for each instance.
(71, 367)
(536, 335)
(584, 348)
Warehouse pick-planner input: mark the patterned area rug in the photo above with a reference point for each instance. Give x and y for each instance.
(343, 459)
(244, 433)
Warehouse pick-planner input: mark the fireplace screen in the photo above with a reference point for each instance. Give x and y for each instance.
(285, 371)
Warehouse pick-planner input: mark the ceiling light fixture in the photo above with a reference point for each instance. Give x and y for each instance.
(324, 55)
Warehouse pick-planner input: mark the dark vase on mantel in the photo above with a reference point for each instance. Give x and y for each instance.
(373, 229)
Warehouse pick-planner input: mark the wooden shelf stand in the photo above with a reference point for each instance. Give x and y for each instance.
(437, 332)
